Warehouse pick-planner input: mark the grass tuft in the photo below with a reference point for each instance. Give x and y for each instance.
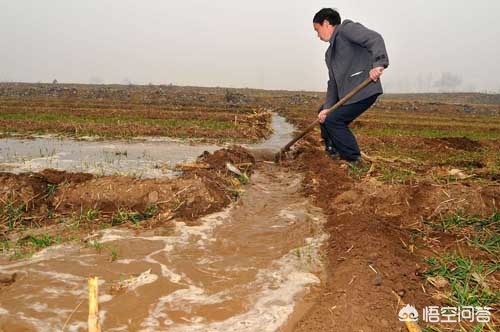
(468, 280)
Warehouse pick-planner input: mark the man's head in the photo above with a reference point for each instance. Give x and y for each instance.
(324, 23)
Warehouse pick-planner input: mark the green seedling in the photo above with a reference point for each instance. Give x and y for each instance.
(468, 279)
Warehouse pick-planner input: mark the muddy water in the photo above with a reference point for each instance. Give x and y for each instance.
(282, 134)
(143, 158)
(140, 159)
(240, 270)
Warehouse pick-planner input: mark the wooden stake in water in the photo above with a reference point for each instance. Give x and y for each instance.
(93, 321)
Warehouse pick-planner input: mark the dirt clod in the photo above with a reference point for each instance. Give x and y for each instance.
(7, 280)
(377, 281)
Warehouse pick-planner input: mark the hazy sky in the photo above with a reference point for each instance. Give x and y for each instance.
(433, 45)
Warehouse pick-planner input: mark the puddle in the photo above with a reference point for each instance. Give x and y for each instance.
(142, 158)
(240, 270)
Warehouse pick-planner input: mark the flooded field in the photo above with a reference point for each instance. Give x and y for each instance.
(141, 157)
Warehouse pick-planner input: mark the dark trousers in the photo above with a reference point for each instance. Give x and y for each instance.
(335, 128)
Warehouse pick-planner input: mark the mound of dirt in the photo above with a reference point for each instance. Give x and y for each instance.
(366, 260)
(368, 255)
(418, 143)
(111, 193)
(236, 155)
(405, 205)
(22, 190)
(190, 196)
(57, 177)
(459, 143)
(7, 280)
(46, 195)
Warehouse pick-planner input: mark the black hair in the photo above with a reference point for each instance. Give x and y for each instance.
(329, 14)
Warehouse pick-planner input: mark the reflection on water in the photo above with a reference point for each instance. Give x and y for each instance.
(144, 158)
(140, 159)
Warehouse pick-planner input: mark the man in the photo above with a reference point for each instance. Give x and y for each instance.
(354, 54)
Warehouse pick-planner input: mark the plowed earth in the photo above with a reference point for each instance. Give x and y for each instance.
(426, 161)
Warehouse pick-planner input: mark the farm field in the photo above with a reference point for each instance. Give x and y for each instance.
(129, 111)
(417, 222)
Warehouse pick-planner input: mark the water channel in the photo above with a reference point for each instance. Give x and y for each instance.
(242, 269)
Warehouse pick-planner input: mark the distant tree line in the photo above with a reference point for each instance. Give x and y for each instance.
(429, 82)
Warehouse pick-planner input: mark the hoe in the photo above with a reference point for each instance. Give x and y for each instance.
(263, 154)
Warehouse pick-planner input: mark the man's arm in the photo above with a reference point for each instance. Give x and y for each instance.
(373, 41)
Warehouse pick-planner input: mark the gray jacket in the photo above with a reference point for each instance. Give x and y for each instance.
(354, 50)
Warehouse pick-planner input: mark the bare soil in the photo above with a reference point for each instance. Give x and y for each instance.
(429, 158)
(370, 223)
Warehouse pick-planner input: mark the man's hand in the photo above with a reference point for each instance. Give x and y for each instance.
(375, 73)
(322, 116)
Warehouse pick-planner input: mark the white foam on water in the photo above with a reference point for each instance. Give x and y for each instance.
(40, 307)
(49, 253)
(63, 277)
(144, 278)
(105, 298)
(275, 292)
(207, 260)
(126, 261)
(166, 272)
(287, 214)
(83, 263)
(52, 290)
(181, 299)
(53, 252)
(110, 235)
(174, 278)
(76, 327)
(182, 232)
(4, 311)
(55, 292)
(118, 329)
(102, 315)
(273, 305)
(53, 323)
(183, 236)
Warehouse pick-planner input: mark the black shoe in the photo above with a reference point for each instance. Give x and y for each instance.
(329, 148)
(335, 155)
(355, 161)
(331, 152)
